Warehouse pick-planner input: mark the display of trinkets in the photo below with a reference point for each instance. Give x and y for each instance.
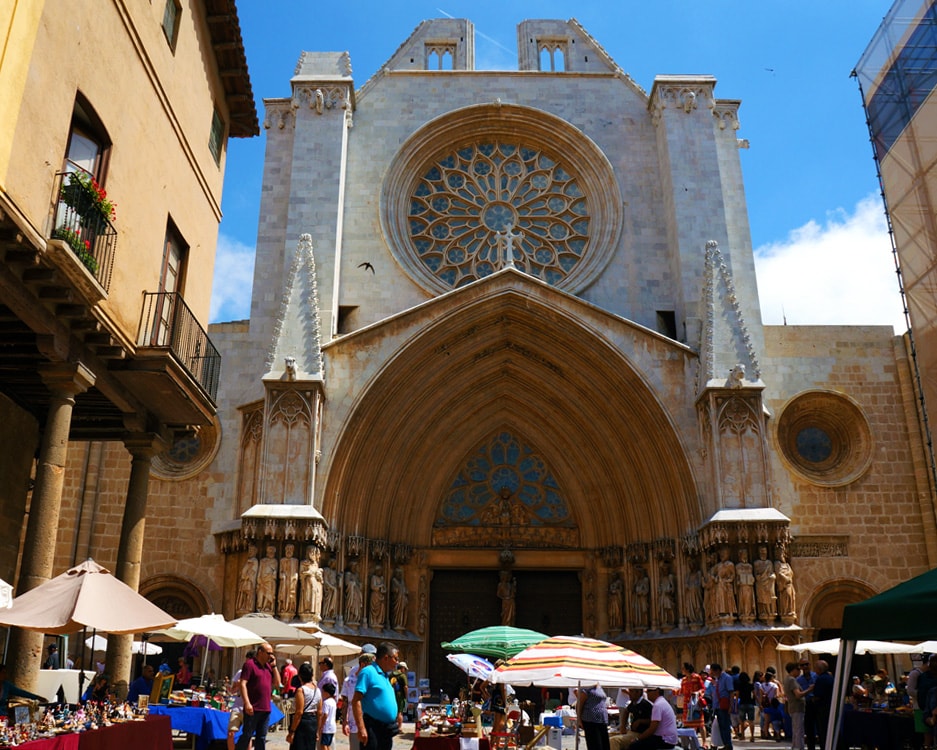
(57, 719)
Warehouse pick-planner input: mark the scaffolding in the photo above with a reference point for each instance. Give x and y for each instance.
(897, 77)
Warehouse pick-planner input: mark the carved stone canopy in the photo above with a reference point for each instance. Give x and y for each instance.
(746, 526)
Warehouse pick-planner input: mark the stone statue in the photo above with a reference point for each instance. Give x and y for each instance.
(422, 610)
(708, 580)
(247, 582)
(745, 578)
(724, 593)
(310, 573)
(398, 600)
(289, 582)
(765, 598)
(507, 587)
(616, 603)
(784, 576)
(354, 603)
(693, 592)
(267, 582)
(642, 590)
(330, 584)
(377, 611)
(666, 595)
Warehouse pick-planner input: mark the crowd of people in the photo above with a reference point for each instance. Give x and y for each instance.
(720, 705)
(372, 711)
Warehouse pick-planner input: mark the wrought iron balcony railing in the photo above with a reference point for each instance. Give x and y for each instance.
(81, 223)
(168, 323)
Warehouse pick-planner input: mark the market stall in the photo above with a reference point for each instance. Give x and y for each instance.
(906, 612)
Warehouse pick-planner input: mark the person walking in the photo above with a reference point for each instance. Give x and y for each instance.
(374, 704)
(722, 694)
(259, 676)
(593, 714)
(805, 680)
(307, 711)
(796, 704)
(823, 698)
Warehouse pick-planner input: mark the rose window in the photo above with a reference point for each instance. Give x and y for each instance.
(477, 205)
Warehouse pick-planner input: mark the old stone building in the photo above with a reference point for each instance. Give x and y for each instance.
(505, 362)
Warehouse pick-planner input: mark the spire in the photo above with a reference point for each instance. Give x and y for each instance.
(727, 356)
(296, 350)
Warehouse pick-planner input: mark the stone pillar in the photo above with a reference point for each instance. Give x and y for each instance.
(64, 381)
(143, 447)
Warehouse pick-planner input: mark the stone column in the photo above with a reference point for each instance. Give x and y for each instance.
(64, 381)
(143, 447)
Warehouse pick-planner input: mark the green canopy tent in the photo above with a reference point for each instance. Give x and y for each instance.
(906, 612)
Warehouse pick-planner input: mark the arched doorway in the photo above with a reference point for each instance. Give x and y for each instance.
(548, 601)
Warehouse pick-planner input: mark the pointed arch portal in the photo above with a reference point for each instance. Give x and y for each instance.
(518, 360)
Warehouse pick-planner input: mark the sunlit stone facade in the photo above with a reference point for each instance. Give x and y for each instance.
(505, 359)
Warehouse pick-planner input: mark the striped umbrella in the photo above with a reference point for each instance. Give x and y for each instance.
(495, 642)
(566, 661)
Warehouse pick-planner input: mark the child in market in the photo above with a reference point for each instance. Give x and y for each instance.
(327, 724)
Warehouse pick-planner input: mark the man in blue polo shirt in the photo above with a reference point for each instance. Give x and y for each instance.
(374, 704)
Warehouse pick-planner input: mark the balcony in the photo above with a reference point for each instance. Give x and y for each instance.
(83, 223)
(176, 367)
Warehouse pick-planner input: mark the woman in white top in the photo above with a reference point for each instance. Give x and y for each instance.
(306, 712)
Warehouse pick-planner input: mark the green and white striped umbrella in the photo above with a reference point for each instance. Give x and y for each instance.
(496, 642)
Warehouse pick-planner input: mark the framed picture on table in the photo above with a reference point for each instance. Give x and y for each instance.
(162, 687)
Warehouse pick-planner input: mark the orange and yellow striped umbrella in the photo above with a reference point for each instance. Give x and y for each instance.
(565, 661)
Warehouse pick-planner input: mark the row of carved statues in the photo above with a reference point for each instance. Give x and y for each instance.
(715, 590)
(290, 588)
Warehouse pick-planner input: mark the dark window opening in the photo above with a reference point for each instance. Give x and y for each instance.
(171, 14)
(346, 318)
(216, 138)
(667, 323)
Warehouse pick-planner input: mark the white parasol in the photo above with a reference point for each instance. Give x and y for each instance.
(273, 630)
(831, 646)
(99, 643)
(324, 644)
(86, 596)
(213, 627)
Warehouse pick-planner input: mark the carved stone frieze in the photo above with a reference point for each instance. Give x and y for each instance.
(685, 97)
(501, 536)
(321, 98)
(279, 114)
(726, 113)
(820, 546)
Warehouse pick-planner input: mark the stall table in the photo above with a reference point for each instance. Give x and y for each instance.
(424, 742)
(154, 733)
(886, 731)
(204, 723)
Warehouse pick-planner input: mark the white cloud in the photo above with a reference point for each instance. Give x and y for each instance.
(231, 287)
(838, 273)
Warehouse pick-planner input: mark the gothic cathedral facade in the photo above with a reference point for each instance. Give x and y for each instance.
(505, 362)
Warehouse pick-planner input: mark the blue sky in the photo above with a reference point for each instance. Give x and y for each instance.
(823, 255)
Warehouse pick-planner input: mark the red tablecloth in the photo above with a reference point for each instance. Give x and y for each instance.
(62, 742)
(153, 734)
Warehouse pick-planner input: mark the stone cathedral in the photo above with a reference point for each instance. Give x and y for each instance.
(505, 363)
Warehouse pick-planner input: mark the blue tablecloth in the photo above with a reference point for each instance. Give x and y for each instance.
(207, 724)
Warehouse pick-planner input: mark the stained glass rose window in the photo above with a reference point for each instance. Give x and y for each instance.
(481, 202)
